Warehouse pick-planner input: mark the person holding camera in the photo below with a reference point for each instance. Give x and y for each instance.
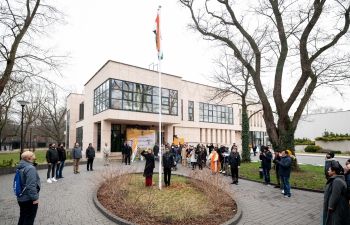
(265, 158)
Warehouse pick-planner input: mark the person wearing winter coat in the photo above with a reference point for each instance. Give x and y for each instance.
(62, 158)
(193, 158)
(200, 157)
(52, 160)
(328, 162)
(335, 206)
(149, 166)
(76, 156)
(184, 154)
(234, 162)
(167, 162)
(90, 156)
(265, 158)
(29, 200)
(284, 169)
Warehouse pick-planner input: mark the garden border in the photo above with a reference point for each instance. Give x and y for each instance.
(118, 220)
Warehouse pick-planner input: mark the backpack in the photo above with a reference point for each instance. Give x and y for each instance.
(17, 183)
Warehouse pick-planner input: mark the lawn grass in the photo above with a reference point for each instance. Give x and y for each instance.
(311, 176)
(171, 201)
(40, 157)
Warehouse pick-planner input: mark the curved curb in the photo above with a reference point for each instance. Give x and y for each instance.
(118, 220)
(292, 187)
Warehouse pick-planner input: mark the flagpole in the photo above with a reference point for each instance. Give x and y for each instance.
(160, 109)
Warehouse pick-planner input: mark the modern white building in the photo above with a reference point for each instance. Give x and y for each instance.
(121, 99)
(314, 125)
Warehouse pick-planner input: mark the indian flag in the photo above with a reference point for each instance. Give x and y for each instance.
(156, 31)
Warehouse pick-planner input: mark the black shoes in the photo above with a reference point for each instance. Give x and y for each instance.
(277, 186)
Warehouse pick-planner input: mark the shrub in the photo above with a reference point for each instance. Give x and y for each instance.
(330, 136)
(312, 148)
(6, 163)
(303, 141)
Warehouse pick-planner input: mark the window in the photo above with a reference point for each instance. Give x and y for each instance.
(81, 111)
(79, 133)
(101, 98)
(143, 98)
(190, 111)
(215, 114)
(68, 127)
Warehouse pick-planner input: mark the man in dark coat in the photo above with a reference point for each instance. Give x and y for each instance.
(276, 168)
(221, 152)
(90, 155)
(265, 158)
(150, 165)
(168, 162)
(128, 152)
(234, 161)
(62, 158)
(254, 150)
(335, 206)
(284, 169)
(52, 159)
(156, 151)
(210, 147)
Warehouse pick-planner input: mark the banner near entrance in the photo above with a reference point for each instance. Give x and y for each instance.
(140, 139)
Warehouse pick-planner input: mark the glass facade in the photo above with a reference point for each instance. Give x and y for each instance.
(215, 113)
(190, 111)
(79, 136)
(101, 97)
(143, 98)
(68, 127)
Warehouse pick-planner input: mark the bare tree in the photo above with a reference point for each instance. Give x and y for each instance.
(52, 116)
(22, 23)
(231, 79)
(302, 42)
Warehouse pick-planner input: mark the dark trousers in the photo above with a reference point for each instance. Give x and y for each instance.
(127, 159)
(90, 162)
(234, 174)
(194, 165)
(59, 169)
(167, 176)
(51, 169)
(266, 175)
(27, 212)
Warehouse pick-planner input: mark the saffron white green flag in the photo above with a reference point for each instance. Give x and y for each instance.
(157, 33)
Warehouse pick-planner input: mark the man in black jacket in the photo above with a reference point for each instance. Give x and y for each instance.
(265, 158)
(124, 148)
(127, 152)
(52, 159)
(62, 158)
(168, 162)
(90, 155)
(234, 161)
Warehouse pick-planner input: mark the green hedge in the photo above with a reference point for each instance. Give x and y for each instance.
(330, 136)
(312, 148)
(303, 141)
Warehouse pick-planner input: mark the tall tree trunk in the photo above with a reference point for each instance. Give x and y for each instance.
(245, 137)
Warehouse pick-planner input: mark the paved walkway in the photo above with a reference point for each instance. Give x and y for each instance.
(69, 201)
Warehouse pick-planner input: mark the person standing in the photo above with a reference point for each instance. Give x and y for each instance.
(284, 169)
(106, 152)
(276, 168)
(214, 161)
(76, 155)
(28, 202)
(62, 158)
(234, 161)
(194, 158)
(210, 147)
(254, 150)
(328, 163)
(127, 154)
(149, 166)
(124, 149)
(200, 157)
(90, 155)
(52, 160)
(335, 206)
(168, 162)
(156, 151)
(265, 158)
(184, 154)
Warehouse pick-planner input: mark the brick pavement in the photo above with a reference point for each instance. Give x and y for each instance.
(69, 201)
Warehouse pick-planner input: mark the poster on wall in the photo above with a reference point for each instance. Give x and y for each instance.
(140, 140)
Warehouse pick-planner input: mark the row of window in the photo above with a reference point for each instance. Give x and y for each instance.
(125, 95)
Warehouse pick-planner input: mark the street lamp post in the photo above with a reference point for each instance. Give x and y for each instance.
(22, 103)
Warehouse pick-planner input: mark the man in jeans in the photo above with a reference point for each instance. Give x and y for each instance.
(29, 200)
(52, 160)
(168, 162)
(266, 157)
(285, 167)
(76, 155)
(62, 158)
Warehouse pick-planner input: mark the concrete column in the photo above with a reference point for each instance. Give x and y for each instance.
(168, 129)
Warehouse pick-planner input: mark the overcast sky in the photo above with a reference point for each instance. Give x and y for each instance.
(98, 31)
